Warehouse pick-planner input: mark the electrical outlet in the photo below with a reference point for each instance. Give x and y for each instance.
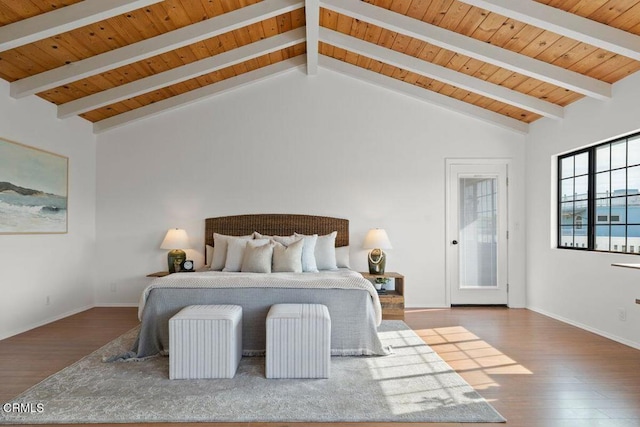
(47, 300)
(622, 314)
(114, 287)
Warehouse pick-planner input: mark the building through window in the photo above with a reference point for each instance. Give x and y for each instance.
(599, 197)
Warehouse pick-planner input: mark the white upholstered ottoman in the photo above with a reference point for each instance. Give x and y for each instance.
(298, 341)
(205, 341)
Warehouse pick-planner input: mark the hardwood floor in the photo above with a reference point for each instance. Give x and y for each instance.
(535, 370)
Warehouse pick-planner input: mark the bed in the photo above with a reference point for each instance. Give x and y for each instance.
(352, 301)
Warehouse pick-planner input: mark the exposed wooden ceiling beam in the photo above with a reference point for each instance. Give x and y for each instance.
(442, 74)
(431, 97)
(180, 74)
(64, 19)
(312, 19)
(471, 47)
(566, 24)
(154, 46)
(200, 94)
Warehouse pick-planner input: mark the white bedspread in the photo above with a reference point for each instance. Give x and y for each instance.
(338, 279)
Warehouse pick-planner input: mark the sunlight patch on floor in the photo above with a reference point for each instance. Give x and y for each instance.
(415, 378)
(474, 359)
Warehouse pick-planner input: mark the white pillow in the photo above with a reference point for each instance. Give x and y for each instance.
(208, 255)
(220, 242)
(288, 258)
(257, 259)
(308, 253)
(235, 252)
(342, 257)
(326, 252)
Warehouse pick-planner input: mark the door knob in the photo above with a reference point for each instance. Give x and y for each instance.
(455, 242)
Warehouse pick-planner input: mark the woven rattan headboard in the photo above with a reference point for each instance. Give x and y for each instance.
(277, 224)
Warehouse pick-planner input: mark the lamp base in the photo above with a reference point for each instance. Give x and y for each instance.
(176, 257)
(377, 261)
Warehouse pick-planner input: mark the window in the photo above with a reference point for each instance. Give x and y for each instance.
(599, 197)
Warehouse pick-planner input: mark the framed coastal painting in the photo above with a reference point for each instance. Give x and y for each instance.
(33, 190)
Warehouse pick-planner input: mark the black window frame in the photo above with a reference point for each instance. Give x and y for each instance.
(593, 199)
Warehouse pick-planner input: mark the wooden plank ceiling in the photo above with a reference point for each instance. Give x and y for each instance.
(508, 62)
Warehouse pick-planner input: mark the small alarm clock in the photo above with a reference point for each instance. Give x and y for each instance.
(187, 266)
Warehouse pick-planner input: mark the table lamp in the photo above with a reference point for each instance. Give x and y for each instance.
(176, 240)
(377, 240)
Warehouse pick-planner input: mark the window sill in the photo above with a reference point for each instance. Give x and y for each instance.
(617, 264)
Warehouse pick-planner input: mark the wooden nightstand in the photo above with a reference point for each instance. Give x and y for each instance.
(159, 274)
(393, 301)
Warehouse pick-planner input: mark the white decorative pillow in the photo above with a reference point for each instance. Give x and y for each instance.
(326, 252)
(308, 253)
(257, 235)
(288, 258)
(208, 255)
(220, 243)
(235, 252)
(257, 259)
(342, 257)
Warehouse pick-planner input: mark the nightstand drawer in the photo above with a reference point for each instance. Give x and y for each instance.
(392, 306)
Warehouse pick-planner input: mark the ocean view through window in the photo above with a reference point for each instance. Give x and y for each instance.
(599, 197)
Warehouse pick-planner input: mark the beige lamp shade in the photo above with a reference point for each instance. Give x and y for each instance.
(176, 238)
(377, 238)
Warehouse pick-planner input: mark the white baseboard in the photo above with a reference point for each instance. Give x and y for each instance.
(116, 304)
(45, 322)
(587, 328)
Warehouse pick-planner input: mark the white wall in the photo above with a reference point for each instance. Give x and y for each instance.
(56, 265)
(577, 287)
(325, 145)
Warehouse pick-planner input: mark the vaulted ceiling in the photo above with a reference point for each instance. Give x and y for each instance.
(508, 62)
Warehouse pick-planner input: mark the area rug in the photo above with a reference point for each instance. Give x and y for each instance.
(412, 385)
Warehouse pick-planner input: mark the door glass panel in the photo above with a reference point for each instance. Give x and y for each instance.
(478, 232)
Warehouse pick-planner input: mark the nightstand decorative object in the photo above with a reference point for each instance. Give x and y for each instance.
(377, 240)
(392, 301)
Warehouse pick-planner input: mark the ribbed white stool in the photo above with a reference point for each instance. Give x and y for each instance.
(298, 341)
(205, 341)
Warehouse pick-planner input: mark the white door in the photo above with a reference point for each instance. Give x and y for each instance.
(477, 234)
